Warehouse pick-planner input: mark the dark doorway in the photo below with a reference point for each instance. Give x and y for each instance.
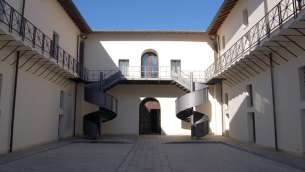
(149, 117)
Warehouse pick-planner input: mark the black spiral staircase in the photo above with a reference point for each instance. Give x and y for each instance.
(185, 110)
(94, 94)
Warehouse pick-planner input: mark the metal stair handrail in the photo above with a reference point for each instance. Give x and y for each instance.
(274, 19)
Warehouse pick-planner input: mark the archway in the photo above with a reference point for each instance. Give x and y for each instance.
(150, 116)
(149, 65)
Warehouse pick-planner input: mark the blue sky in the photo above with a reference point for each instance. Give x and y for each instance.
(149, 14)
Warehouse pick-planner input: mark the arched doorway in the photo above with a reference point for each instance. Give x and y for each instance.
(150, 117)
(149, 65)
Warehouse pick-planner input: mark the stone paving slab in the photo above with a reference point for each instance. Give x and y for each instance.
(73, 157)
(150, 153)
(218, 157)
(272, 154)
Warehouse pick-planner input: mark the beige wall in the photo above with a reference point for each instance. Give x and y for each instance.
(103, 50)
(288, 102)
(37, 106)
(130, 97)
(38, 99)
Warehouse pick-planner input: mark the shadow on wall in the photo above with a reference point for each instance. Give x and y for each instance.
(97, 56)
(250, 123)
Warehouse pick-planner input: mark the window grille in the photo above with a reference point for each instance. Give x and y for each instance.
(245, 18)
(62, 99)
(250, 95)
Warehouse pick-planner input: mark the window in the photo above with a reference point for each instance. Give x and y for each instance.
(54, 48)
(176, 66)
(150, 68)
(223, 42)
(124, 64)
(226, 101)
(250, 95)
(245, 18)
(251, 127)
(2, 12)
(302, 82)
(62, 99)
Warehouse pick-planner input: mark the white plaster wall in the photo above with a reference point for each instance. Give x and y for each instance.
(288, 104)
(238, 109)
(49, 16)
(37, 107)
(103, 50)
(129, 99)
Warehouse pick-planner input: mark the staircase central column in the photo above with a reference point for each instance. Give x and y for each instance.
(193, 124)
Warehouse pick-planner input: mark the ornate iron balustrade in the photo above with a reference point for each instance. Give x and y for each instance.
(136, 72)
(19, 24)
(274, 19)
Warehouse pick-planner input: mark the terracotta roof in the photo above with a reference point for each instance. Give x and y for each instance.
(221, 16)
(152, 31)
(75, 15)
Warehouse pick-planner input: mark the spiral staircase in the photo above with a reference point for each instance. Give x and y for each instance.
(95, 94)
(185, 110)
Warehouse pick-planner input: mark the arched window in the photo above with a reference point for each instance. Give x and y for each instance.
(149, 65)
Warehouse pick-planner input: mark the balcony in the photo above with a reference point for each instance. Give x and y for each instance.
(161, 75)
(38, 53)
(277, 31)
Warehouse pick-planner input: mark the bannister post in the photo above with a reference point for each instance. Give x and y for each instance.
(11, 20)
(69, 61)
(34, 37)
(43, 44)
(63, 58)
(102, 83)
(280, 15)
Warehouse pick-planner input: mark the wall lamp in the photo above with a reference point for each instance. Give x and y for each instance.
(212, 37)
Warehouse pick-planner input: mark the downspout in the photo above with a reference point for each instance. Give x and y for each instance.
(23, 7)
(75, 101)
(14, 102)
(273, 100)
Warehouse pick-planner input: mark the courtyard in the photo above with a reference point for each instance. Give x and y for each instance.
(150, 153)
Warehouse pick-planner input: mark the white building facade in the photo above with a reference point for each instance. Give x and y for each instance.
(244, 76)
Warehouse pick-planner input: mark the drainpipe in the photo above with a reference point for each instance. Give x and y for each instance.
(14, 102)
(273, 100)
(23, 7)
(75, 100)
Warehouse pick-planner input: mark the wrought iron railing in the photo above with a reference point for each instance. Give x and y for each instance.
(274, 19)
(30, 33)
(136, 72)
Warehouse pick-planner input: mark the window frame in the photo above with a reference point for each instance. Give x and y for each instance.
(125, 70)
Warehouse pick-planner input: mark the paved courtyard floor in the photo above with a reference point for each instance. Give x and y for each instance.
(150, 153)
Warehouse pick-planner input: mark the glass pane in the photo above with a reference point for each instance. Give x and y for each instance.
(121, 65)
(145, 60)
(126, 67)
(154, 60)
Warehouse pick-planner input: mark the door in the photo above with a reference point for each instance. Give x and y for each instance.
(60, 126)
(149, 68)
(251, 128)
(144, 120)
(155, 121)
(149, 116)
